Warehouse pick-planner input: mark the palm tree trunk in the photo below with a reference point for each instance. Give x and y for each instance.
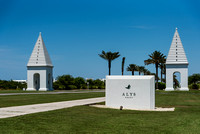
(132, 72)
(156, 75)
(161, 73)
(123, 60)
(122, 71)
(109, 66)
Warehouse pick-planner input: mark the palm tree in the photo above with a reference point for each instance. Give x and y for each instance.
(155, 76)
(109, 56)
(123, 61)
(132, 68)
(155, 58)
(176, 82)
(141, 69)
(148, 72)
(162, 66)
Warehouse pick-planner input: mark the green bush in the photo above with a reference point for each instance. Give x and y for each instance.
(4, 84)
(72, 87)
(193, 78)
(161, 85)
(68, 82)
(193, 86)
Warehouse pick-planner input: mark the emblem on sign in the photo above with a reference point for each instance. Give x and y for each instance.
(128, 87)
(128, 94)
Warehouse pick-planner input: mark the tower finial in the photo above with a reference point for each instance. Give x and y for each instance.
(40, 33)
(176, 28)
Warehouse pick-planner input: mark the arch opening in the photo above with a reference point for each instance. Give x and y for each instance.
(36, 81)
(176, 80)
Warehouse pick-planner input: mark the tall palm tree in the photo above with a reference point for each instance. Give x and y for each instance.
(109, 56)
(155, 58)
(161, 66)
(164, 72)
(132, 68)
(141, 69)
(123, 61)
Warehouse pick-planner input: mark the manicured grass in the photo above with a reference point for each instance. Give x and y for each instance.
(14, 91)
(21, 91)
(84, 119)
(75, 90)
(17, 100)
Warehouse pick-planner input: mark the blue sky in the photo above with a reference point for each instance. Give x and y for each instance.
(76, 31)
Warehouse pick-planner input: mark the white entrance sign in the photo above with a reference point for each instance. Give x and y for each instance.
(130, 92)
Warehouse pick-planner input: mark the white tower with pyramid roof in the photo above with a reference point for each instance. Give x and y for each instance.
(40, 68)
(176, 62)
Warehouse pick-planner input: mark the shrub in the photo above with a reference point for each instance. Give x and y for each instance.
(4, 84)
(72, 87)
(161, 85)
(193, 86)
(68, 82)
(193, 78)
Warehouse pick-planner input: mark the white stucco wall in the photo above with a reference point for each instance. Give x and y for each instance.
(183, 70)
(43, 72)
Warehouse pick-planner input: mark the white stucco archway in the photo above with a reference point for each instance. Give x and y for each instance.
(170, 70)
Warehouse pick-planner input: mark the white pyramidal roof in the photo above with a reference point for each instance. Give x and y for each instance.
(39, 56)
(176, 53)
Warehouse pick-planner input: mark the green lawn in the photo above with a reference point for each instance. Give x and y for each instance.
(17, 100)
(85, 119)
(21, 91)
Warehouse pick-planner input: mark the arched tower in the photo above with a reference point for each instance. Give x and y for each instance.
(40, 68)
(176, 62)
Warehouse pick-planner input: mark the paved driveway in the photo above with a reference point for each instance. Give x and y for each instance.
(28, 109)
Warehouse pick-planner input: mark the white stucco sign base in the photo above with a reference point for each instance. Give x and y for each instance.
(131, 92)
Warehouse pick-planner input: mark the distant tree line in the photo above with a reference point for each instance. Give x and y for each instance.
(4, 84)
(67, 82)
